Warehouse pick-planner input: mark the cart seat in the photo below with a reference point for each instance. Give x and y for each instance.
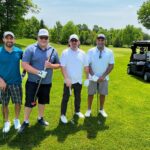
(139, 57)
(148, 56)
(140, 63)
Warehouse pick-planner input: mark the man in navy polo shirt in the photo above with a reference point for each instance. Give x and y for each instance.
(34, 60)
(10, 79)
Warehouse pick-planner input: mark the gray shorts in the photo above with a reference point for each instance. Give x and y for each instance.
(101, 86)
(12, 91)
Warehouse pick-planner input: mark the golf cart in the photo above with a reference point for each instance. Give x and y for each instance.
(140, 60)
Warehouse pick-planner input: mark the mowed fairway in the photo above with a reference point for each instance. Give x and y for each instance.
(126, 128)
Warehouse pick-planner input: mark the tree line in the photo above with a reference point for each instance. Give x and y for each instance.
(60, 33)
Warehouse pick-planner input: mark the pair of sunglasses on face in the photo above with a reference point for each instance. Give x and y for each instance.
(44, 37)
(74, 40)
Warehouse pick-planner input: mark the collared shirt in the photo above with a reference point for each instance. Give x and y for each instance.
(10, 65)
(99, 61)
(74, 61)
(36, 57)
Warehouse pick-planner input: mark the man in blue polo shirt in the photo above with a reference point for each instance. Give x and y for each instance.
(34, 60)
(10, 79)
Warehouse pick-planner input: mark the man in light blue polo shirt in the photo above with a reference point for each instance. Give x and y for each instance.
(10, 79)
(34, 60)
(101, 63)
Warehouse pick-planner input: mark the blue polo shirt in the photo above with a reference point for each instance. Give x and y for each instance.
(10, 65)
(36, 57)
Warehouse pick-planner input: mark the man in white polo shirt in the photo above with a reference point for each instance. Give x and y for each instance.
(73, 61)
(101, 63)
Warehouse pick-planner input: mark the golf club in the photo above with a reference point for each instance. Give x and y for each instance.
(70, 91)
(35, 96)
(97, 93)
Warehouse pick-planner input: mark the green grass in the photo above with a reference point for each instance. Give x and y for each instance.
(126, 128)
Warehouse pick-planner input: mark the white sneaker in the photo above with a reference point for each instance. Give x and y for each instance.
(79, 114)
(103, 113)
(63, 119)
(17, 124)
(6, 128)
(88, 113)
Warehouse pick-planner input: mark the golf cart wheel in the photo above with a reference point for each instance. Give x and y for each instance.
(129, 70)
(146, 76)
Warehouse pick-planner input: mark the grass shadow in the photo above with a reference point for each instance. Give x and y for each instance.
(6, 137)
(93, 125)
(139, 78)
(62, 131)
(29, 139)
(34, 135)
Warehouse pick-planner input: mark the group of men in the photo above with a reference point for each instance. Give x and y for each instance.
(38, 61)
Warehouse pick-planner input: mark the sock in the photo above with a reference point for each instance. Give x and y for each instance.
(26, 121)
(39, 118)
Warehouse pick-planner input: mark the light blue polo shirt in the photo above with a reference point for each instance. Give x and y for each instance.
(10, 65)
(100, 65)
(36, 57)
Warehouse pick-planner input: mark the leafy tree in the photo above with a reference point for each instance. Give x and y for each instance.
(42, 24)
(146, 36)
(96, 28)
(56, 32)
(67, 30)
(131, 34)
(12, 12)
(144, 14)
(118, 39)
(32, 27)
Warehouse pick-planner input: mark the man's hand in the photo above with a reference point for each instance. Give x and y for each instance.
(2, 84)
(102, 78)
(42, 74)
(68, 82)
(94, 78)
(86, 83)
(48, 64)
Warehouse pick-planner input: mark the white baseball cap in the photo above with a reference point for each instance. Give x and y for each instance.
(102, 36)
(43, 32)
(73, 36)
(8, 33)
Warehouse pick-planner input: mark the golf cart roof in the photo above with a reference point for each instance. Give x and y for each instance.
(145, 43)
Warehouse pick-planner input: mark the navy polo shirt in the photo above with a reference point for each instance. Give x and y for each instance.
(10, 65)
(36, 57)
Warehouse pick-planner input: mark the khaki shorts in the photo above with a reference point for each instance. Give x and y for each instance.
(102, 88)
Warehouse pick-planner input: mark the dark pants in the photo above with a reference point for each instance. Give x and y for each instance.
(66, 94)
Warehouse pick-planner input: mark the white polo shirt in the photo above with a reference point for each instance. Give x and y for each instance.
(74, 62)
(99, 65)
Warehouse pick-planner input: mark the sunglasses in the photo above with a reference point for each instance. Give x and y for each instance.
(100, 55)
(74, 40)
(43, 37)
(100, 38)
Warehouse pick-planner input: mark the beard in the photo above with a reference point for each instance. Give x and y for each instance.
(9, 44)
(100, 46)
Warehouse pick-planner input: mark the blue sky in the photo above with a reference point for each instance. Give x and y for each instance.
(105, 13)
